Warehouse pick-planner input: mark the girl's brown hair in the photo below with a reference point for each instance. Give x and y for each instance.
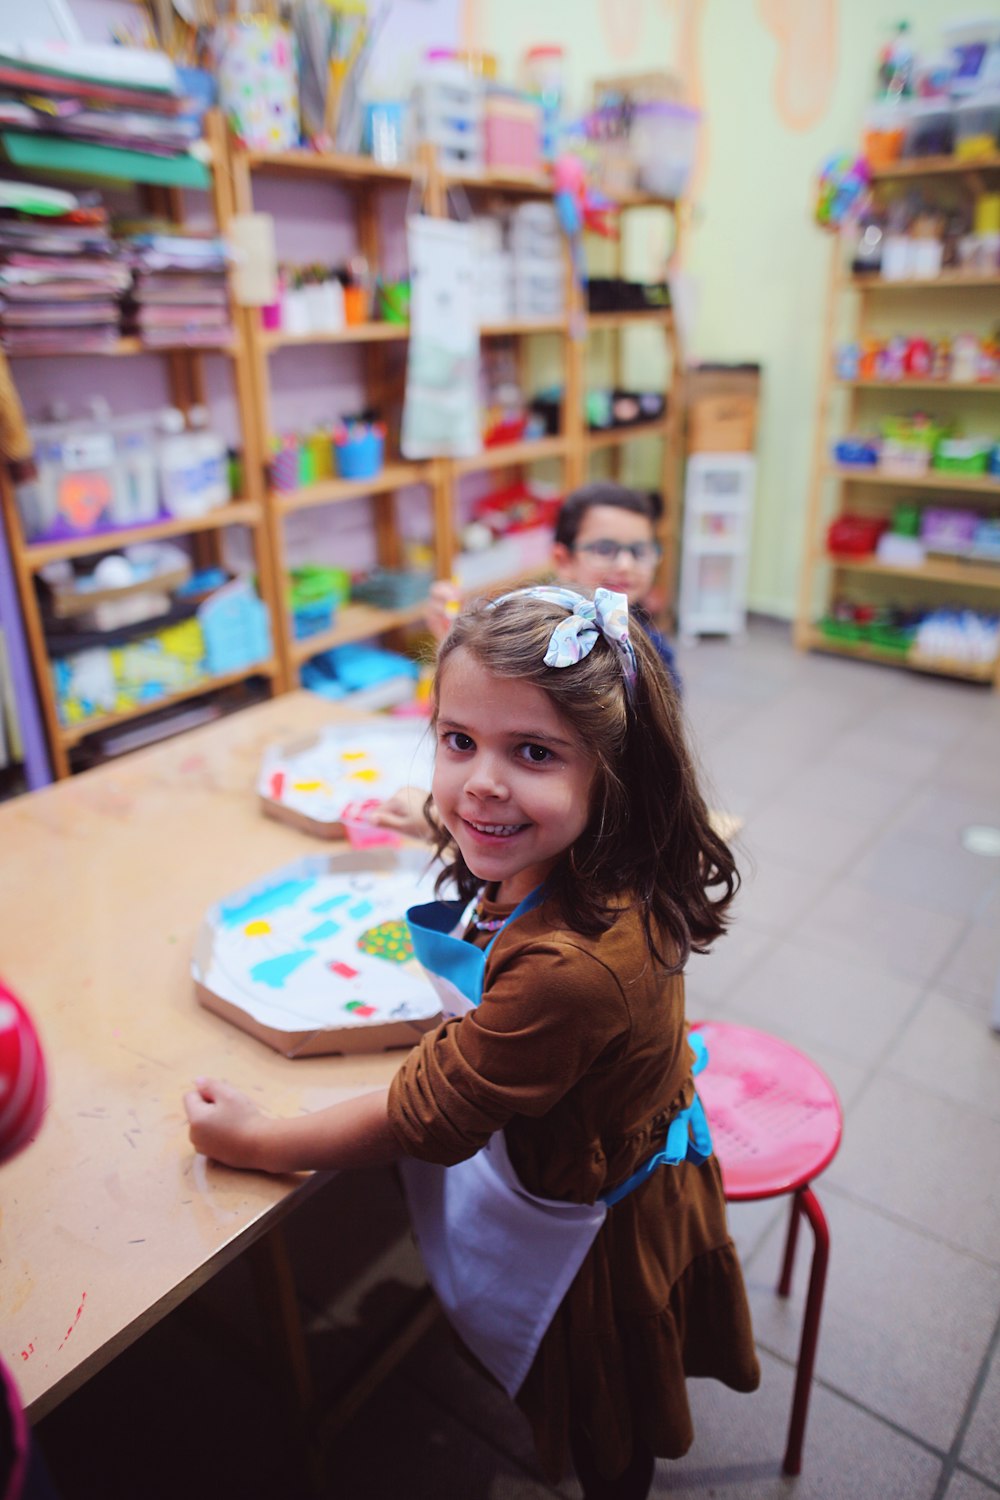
(649, 838)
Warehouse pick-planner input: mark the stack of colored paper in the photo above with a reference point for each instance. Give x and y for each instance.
(61, 283)
(180, 294)
(121, 97)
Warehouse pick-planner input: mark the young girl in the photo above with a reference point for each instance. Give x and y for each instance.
(554, 1153)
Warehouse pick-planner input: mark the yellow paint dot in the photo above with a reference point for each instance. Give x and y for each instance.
(353, 754)
(364, 775)
(257, 929)
(309, 786)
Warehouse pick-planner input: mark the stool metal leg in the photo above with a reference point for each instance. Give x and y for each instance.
(807, 1203)
(791, 1240)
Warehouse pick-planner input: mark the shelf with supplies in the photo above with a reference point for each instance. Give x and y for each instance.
(568, 444)
(34, 549)
(902, 554)
(73, 734)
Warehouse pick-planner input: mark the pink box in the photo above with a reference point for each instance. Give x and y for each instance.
(512, 132)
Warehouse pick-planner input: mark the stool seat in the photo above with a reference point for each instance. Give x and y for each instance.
(775, 1117)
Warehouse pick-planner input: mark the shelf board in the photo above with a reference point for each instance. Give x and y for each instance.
(982, 387)
(353, 333)
(332, 491)
(356, 622)
(236, 513)
(533, 184)
(935, 166)
(125, 347)
(654, 317)
(72, 734)
(968, 671)
(947, 281)
(970, 574)
(508, 454)
(354, 168)
(618, 435)
(977, 484)
(524, 325)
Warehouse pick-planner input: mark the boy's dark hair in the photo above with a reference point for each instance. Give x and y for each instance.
(648, 839)
(603, 492)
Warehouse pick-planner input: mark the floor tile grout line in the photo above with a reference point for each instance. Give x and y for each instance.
(989, 1484)
(961, 1432)
(902, 1222)
(832, 1389)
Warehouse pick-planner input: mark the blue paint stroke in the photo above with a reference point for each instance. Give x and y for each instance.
(333, 901)
(274, 971)
(363, 909)
(324, 930)
(284, 894)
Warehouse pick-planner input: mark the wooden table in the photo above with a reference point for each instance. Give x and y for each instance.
(108, 1220)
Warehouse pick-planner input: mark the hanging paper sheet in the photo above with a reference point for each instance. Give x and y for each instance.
(441, 410)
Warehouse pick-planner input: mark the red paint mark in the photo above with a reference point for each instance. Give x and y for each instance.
(192, 763)
(79, 1312)
(344, 970)
(277, 785)
(28, 1352)
(365, 1010)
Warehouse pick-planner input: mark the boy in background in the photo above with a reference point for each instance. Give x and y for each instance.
(605, 538)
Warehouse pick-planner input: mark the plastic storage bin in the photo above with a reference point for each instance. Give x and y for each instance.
(977, 125)
(448, 108)
(664, 140)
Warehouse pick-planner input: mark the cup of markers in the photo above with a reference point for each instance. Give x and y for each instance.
(359, 449)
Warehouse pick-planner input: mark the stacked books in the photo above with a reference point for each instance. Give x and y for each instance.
(61, 283)
(123, 97)
(180, 294)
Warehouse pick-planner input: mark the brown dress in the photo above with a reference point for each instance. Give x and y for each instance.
(578, 1053)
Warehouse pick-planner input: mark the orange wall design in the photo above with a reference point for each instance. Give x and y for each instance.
(806, 70)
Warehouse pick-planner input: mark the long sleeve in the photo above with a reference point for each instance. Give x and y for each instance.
(550, 1011)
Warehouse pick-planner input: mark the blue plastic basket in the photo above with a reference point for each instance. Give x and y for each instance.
(360, 457)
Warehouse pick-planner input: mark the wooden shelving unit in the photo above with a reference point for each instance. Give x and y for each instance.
(855, 302)
(188, 388)
(571, 449)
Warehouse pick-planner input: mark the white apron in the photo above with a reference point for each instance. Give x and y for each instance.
(499, 1259)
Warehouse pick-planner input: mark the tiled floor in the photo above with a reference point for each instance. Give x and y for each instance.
(868, 937)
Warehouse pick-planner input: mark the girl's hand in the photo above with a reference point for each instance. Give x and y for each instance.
(403, 812)
(443, 605)
(225, 1124)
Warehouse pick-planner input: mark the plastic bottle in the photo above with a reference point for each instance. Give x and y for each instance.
(214, 459)
(181, 484)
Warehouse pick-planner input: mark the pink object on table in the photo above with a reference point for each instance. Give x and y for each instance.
(776, 1124)
(361, 832)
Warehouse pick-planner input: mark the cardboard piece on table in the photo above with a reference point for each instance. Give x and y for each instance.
(316, 958)
(311, 782)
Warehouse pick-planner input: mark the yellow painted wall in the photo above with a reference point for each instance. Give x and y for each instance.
(783, 84)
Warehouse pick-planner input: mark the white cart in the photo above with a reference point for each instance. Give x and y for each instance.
(715, 545)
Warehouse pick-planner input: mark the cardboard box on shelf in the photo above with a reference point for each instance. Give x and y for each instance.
(722, 403)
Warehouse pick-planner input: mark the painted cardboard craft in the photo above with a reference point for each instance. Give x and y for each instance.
(310, 782)
(315, 958)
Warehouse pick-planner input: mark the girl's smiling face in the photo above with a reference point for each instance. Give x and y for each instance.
(512, 783)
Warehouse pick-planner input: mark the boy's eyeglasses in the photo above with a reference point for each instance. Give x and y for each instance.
(607, 550)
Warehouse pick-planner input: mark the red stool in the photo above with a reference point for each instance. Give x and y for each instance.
(776, 1124)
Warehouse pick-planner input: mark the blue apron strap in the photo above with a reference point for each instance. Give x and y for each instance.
(534, 898)
(688, 1135)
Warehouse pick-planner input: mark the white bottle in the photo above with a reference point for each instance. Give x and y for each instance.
(181, 485)
(214, 459)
